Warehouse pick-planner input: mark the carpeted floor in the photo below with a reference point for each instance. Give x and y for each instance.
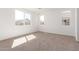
(40, 41)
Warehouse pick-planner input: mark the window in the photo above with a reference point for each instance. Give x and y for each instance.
(42, 19)
(27, 18)
(22, 18)
(19, 15)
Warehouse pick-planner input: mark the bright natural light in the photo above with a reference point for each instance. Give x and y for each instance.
(18, 42)
(19, 15)
(30, 37)
(42, 18)
(22, 18)
(22, 40)
(27, 16)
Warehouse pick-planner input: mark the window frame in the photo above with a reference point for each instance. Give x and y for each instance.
(23, 21)
(42, 22)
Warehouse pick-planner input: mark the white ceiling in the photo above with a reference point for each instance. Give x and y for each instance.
(37, 10)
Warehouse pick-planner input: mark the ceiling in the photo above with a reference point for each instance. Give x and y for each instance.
(38, 10)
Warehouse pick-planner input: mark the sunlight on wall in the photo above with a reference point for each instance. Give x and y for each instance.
(30, 37)
(18, 42)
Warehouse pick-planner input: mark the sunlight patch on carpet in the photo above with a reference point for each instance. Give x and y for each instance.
(18, 42)
(30, 37)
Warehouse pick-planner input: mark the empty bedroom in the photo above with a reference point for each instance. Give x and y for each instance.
(38, 29)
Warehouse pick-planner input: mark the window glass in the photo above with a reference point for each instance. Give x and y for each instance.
(19, 15)
(22, 18)
(27, 16)
(42, 19)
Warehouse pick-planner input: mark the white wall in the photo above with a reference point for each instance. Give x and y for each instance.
(7, 24)
(53, 22)
(77, 24)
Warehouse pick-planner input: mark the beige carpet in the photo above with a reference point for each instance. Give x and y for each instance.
(40, 41)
